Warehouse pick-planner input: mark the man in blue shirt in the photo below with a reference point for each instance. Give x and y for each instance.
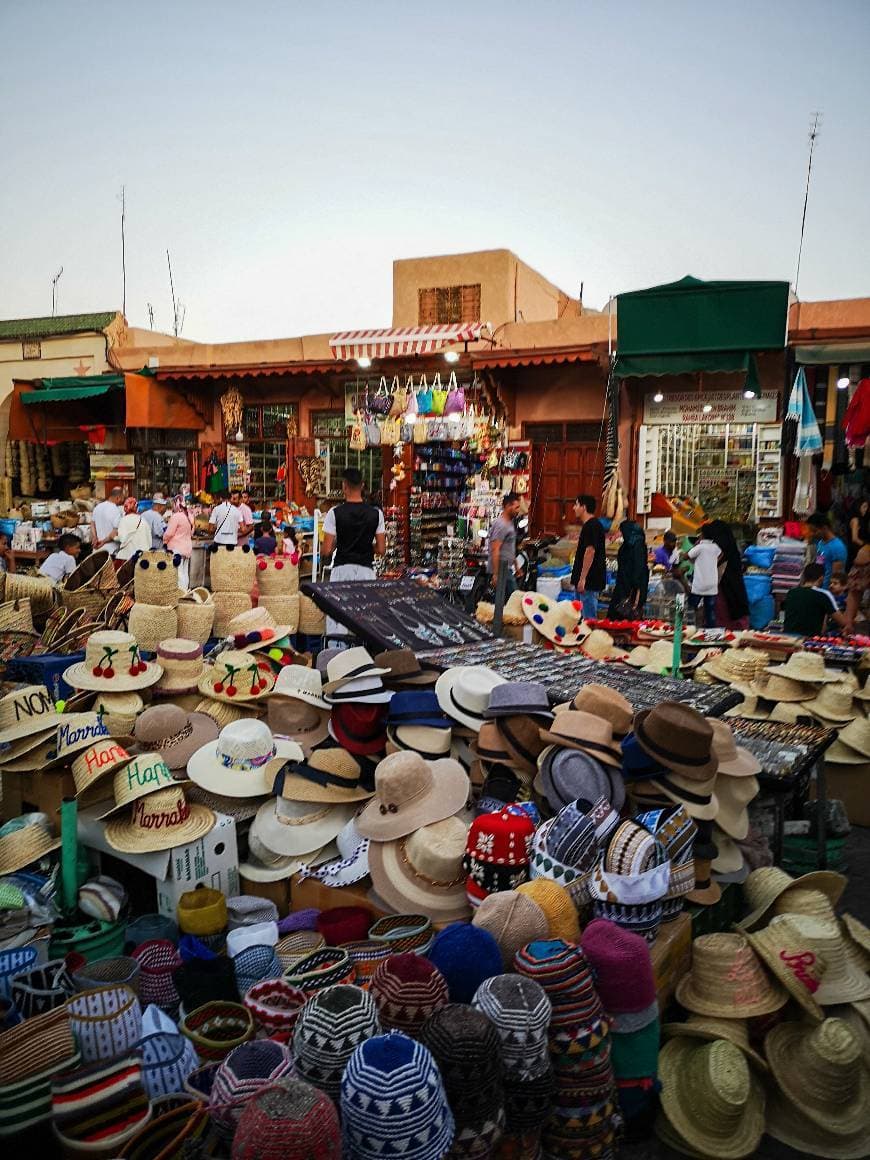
(831, 552)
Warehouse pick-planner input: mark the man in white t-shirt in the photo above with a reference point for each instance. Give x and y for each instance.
(225, 522)
(706, 556)
(104, 522)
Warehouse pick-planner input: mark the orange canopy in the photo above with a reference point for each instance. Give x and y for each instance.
(153, 404)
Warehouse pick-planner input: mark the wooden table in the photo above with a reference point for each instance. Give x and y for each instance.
(15, 554)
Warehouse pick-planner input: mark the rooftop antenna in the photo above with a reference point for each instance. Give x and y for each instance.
(123, 197)
(815, 129)
(178, 311)
(150, 314)
(54, 283)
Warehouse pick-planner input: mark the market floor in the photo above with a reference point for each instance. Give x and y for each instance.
(856, 900)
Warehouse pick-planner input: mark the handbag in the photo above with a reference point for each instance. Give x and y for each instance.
(372, 432)
(455, 403)
(382, 401)
(424, 397)
(439, 395)
(391, 431)
(357, 434)
(421, 430)
(400, 400)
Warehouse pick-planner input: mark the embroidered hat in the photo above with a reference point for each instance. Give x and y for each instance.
(256, 629)
(242, 761)
(568, 775)
(623, 973)
(329, 775)
(708, 1027)
(410, 793)
(565, 849)
(513, 920)
(520, 1011)
(237, 677)
(248, 1069)
(466, 1046)
(182, 664)
(633, 870)
(676, 831)
(592, 734)
(519, 697)
(291, 1120)
(417, 707)
(112, 664)
(784, 948)
(602, 701)
(678, 737)
(360, 729)
(820, 1070)
(465, 955)
(300, 683)
(497, 852)
(407, 988)
(393, 1102)
(727, 980)
(144, 774)
(91, 767)
(423, 871)
(765, 886)
(75, 732)
(805, 666)
(404, 669)
(25, 712)
(332, 1024)
(578, 1022)
(159, 821)
(464, 693)
(173, 733)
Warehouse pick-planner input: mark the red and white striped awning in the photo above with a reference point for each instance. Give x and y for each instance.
(402, 340)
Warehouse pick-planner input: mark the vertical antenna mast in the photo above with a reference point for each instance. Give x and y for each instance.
(54, 283)
(174, 303)
(150, 315)
(815, 129)
(123, 251)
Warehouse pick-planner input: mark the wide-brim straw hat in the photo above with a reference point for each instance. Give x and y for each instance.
(210, 765)
(256, 629)
(790, 713)
(559, 621)
(160, 821)
(727, 980)
(119, 648)
(764, 886)
(784, 951)
(327, 776)
(224, 712)
(24, 845)
(842, 981)
(422, 873)
(786, 1123)
(15, 751)
(241, 672)
(805, 666)
(709, 1028)
(599, 645)
(711, 1098)
(660, 655)
(749, 707)
(833, 704)
(144, 774)
(26, 711)
(820, 1069)
(852, 746)
(733, 795)
(732, 760)
(297, 828)
(737, 665)
(771, 687)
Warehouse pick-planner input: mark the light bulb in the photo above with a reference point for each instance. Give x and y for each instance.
(842, 384)
(364, 363)
(454, 417)
(749, 394)
(658, 397)
(707, 408)
(451, 356)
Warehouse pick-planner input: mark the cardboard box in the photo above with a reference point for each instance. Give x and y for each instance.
(210, 861)
(849, 783)
(39, 792)
(671, 956)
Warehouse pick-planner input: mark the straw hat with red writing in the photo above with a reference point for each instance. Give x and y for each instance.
(159, 821)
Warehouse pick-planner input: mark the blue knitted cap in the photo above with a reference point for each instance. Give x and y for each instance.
(465, 955)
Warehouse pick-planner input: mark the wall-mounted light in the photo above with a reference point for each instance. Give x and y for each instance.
(749, 394)
(364, 363)
(843, 383)
(707, 408)
(658, 397)
(451, 356)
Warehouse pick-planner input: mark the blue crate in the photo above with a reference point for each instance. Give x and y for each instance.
(303, 523)
(7, 527)
(45, 670)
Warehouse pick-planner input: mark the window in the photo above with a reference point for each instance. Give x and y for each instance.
(264, 426)
(31, 349)
(443, 304)
(331, 429)
(268, 421)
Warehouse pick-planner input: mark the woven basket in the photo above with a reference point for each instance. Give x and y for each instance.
(312, 621)
(285, 609)
(41, 989)
(151, 623)
(107, 1022)
(232, 569)
(16, 616)
(226, 606)
(108, 972)
(216, 1028)
(155, 579)
(275, 1005)
(97, 571)
(13, 962)
(195, 619)
(277, 576)
(38, 589)
(178, 1122)
(293, 947)
(323, 968)
(88, 599)
(157, 959)
(167, 1061)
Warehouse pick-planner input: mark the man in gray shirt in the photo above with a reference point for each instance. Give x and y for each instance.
(154, 517)
(502, 541)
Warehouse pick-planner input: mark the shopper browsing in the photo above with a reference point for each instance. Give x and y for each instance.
(155, 518)
(355, 531)
(830, 549)
(104, 522)
(589, 575)
(225, 522)
(502, 542)
(133, 533)
(264, 538)
(807, 608)
(706, 557)
(178, 539)
(63, 560)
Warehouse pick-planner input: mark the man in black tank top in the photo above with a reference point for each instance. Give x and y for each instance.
(355, 531)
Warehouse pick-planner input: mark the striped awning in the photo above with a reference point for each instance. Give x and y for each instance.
(402, 340)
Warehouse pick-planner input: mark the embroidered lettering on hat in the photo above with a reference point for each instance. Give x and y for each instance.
(32, 704)
(69, 735)
(798, 964)
(150, 819)
(100, 756)
(139, 775)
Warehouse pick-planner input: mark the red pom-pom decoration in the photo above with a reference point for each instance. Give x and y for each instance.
(218, 687)
(279, 564)
(98, 672)
(261, 564)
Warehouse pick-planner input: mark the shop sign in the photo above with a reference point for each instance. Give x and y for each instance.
(725, 407)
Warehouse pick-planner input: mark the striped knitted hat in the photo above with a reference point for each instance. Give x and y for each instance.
(407, 989)
(332, 1024)
(291, 1120)
(528, 1102)
(393, 1102)
(465, 955)
(520, 1012)
(644, 919)
(104, 1104)
(677, 832)
(245, 1071)
(466, 1046)
(565, 849)
(562, 970)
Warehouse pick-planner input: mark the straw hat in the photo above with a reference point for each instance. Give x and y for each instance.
(155, 578)
(21, 845)
(737, 666)
(222, 711)
(679, 738)
(805, 666)
(733, 795)
(786, 1123)
(175, 734)
(256, 629)
(159, 821)
(181, 661)
(422, 873)
(145, 774)
(764, 886)
(790, 714)
(13, 752)
(242, 761)
(778, 688)
(463, 693)
(559, 621)
(298, 828)
(841, 981)
(118, 712)
(301, 683)
(852, 746)
(151, 623)
(821, 1071)
(602, 701)
(660, 655)
(833, 704)
(599, 645)
(75, 732)
(112, 664)
(749, 707)
(329, 775)
(410, 793)
(728, 980)
(237, 677)
(784, 948)
(731, 759)
(711, 1098)
(91, 767)
(25, 712)
(639, 656)
(708, 1027)
(592, 734)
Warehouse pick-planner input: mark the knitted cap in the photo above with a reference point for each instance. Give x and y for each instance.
(242, 1074)
(344, 924)
(332, 1024)
(622, 965)
(465, 955)
(393, 1102)
(497, 852)
(559, 910)
(466, 1046)
(289, 1121)
(520, 1012)
(562, 970)
(527, 1105)
(513, 920)
(407, 989)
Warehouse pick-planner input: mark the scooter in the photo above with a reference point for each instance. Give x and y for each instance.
(530, 557)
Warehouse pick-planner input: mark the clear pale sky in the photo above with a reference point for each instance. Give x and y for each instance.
(287, 152)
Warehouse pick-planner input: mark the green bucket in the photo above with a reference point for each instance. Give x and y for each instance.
(93, 939)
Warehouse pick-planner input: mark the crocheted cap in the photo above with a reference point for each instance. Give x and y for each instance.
(407, 989)
(563, 971)
(344, 924)
(622, 966)
(333, 1023)
(520, 1012)
(290, 1119)
(465, 955)
(393, 1102)
(513, 920)
(245, 1070)
(467, 1049)
(559, 910)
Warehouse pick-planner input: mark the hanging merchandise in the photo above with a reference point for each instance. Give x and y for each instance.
(232, 407)
(439, 395)
(807, 442)
(424, 397)
(455, 402)
(399, 404)
(382, 401)
(411, 405)
(856, 421)
(358, 434)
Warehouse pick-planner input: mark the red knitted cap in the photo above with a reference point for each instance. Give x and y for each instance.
(501, 839)
(623, 969)
(344, 924)
(407, 989)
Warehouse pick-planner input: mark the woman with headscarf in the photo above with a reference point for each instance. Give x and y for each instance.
(178, 539)
(133, 533)
(732, 603)
(632, 573)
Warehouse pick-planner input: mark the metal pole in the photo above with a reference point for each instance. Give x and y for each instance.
(676, 660)
(500, 586)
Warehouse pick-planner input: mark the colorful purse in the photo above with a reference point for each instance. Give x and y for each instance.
(439, 395)
(411, 407)
(455, 403)
(382, 401)
(421, 431)
(357, 434)
(372, 432)
(424, 397)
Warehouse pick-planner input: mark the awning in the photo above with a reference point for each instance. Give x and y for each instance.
(62, 390)
(829, 355)
(708, 362)
(534, 357)
(157, 405)
(61, 421)
(402, 340)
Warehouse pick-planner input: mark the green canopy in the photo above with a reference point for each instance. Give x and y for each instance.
(62, 390)
(711, 362)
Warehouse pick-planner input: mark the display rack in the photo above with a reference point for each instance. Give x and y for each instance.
(394, 558)
(769, 471)
(439, 481)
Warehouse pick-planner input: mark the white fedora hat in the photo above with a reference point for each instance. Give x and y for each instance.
(463, 693)
(243, 761)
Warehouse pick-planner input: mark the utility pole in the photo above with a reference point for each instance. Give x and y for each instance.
(54, 283)
(815, 129)
(123, 251)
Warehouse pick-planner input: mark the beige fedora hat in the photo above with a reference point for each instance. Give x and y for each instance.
(748, 707)
(26, 711)
(852, 746)
(766, 885)
(727, 980)
(805, 666)
(820, 1070)
(731, 759)
(833, 704)
(422, 873)
(588, 732)
(729, 859)
(329, 775)
(708, 1027)
(733, 795)
(771, 687)
(602, 701)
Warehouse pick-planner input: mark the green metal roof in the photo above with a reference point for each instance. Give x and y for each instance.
(29, 328)
(59, 390)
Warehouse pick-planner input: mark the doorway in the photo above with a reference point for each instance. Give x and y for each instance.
(567, 461)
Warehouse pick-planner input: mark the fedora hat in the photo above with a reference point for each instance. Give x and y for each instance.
(821, 1071)
(302, 684)
(805, 666)
(403, 669)
(112, 664)
(852, 746)
(410, 793)
(237, 677)
(422, 872)
(791, 713)
(417, 707)
(659, 655)
(710, 1099)
(731, 759)
(91, 766)
(489, 747)
(748, 707)
(256, 629)
(350, 664)
(329, 775)
(159, 821)
(706, 891)
(728, 980)
(528, 698)
(833, 704)
(360, 729)
(361, 690)
(298, 828)
(678, 737)
(144, 774)
(25, 712)
(242, 761)
(182, 664)
(173, 733)
(592, 734)
(766, 885)
(426, 740)
(298, 721)
(698, 797)
(729, 859)
(602, 701)
(567, 775)
(352, 863)
(24, 841)
(464, 693)
(709, 1028)
(521, 737)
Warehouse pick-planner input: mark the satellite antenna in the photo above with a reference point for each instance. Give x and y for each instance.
(54, 283)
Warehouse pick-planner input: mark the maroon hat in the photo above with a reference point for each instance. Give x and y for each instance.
(622, 965)
(344, 924)
(360, 728)
(408, 989)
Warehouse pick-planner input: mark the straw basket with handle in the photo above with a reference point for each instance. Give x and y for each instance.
(15, 616)
(38, 589)
(96, 571)
(151, 623)
(196, 613)
(312, 621)
(155, 579)
(228, 605)
(232, 568)
(285, 609)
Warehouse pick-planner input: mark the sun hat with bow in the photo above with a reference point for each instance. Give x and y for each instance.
(678, 737)
(173, 733)
(352, 863)
(852, 746)
(766, 885)
(592, 734)
(464, 693)
(805, 666)
(242, 761)
(834, 704)
(112, 664)
(423, 872)
(410, 793)
(404, 669)
(728, 980)
(159, 821)
(328, 775)
(514, 697)
(237, 677)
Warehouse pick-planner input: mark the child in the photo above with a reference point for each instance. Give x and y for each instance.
(264, 538)
(807, 608)
(837, 589)
(706, 556)
(59, 564)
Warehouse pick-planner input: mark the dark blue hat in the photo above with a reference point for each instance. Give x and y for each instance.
(637, 765)
(417, 708)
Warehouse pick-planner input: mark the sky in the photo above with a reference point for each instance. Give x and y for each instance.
(285, 153)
